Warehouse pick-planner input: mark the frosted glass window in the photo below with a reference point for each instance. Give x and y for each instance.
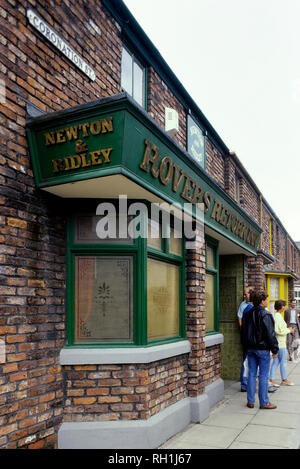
(85, 230)
(103, 298)
(210, 301)
(210, 256)
(175, 245)
(154, 235)
(274, 287)
(271, 306)
(162, 299)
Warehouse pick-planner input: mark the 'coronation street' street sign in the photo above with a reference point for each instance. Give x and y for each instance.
(43, 27)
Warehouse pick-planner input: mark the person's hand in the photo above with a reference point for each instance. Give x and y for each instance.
(292, 330)
(275, 355)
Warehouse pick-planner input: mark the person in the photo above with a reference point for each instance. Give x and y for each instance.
(243, 304)
(292, 318)
(281, 331)
(246, 304)
(258, 338)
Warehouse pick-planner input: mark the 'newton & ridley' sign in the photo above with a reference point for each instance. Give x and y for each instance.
(49, 33)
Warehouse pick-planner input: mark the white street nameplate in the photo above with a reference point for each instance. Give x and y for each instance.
(46, 30)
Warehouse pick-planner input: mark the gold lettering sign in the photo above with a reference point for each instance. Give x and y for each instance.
(83, 158)
(169, 172)
(93, 158)
(82, 130)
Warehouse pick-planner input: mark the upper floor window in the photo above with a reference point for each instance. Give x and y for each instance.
(133, 77)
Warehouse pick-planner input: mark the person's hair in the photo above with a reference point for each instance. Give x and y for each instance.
(259, 296)
(294, 299)
(279, 304)
(251, 296)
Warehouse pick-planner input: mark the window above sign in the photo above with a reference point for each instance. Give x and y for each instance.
(195, 141)
(133, 77)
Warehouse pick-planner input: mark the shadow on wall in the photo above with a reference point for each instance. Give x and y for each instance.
(231, 286)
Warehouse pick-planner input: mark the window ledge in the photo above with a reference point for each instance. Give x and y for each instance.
(101, 356)
(213, 339)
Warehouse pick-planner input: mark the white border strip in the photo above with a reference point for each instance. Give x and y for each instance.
(99, 356)
(213, 339)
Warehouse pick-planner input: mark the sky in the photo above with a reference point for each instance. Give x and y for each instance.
(240, 62)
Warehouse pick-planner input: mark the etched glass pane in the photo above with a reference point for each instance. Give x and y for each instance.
(126, 72)
(210, 301)
(86, 231)
(162, 299)
(274, 288)
(103, 298)
(154, 235)
(271, 306)
(210, 256)
(175, 245)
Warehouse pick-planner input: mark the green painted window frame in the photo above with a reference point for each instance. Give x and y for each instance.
(164, 255)
(140, 252)
(213, 243)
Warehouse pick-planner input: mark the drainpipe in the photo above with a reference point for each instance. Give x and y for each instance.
(260, 218)
(286, 252)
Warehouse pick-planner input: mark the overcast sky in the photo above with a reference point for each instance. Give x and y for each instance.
(240, 62)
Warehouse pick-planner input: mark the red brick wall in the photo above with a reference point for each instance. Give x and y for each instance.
(229, 177)
(249, 200)
(32, 237)
(215, 165)
(32, 224)
(160, 97)
(123, 392)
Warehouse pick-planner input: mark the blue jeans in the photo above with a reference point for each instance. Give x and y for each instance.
(258, 359)
(243, 379)
(280, 360)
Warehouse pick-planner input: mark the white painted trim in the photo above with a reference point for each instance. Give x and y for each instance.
(213, 339)
(102, 356)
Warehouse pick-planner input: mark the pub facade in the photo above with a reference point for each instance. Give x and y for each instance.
(128, 233)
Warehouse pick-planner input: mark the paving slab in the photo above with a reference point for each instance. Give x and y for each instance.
(286, 406)
(226, 418)
(244, 445)
(263, 435)
(276, 419)
(288, 395)
(199, 434)
(187, 445)
(232, 425)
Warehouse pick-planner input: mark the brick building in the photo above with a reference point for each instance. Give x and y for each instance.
(119, 342)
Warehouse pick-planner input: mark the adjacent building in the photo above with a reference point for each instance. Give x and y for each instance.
(297, 284)
(117, 342)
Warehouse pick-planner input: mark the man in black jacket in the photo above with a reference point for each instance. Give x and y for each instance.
(258, 338)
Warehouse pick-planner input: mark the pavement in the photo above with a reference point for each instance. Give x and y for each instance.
(232, 425)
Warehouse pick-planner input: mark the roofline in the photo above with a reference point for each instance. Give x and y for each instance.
(134, 32)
